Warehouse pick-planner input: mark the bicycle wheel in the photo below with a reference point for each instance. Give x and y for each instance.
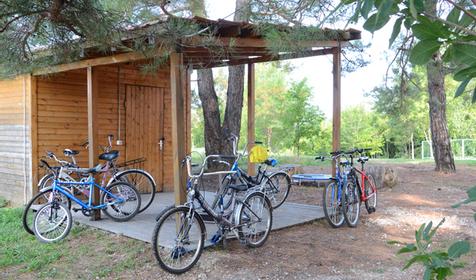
(351, 204)
(370, 190)
(52, 222)
(332, 205)
(178, 239)
(38, 201)
(255, 219)
(123, 201)
(277, 188)
(143, 182)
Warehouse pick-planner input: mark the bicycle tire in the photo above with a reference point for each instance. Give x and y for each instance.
(247, 212)
(45, 224)
(28, 215)
(119, 212)
(177, 249)
(370, 190)
(351, 204)
(143, 182)
(333, 208)
(278, 190)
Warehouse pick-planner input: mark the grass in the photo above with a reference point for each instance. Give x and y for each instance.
(85, 253)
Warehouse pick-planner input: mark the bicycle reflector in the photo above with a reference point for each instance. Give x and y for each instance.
(258, 154)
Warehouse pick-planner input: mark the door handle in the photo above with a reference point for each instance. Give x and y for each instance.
(161, 144)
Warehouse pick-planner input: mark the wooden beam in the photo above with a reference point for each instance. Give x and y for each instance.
(178, 126)
(92, 92)
(188, 108)
(251, 115)
(33, 124)
(265, 58)
(336, 71)
(112, 59)
(231, 42)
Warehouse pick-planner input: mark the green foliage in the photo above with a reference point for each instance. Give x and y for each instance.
(359, 129)
(452, 35)
(439, 264)
(471, 198)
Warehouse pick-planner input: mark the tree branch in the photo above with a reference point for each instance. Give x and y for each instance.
(463, 9)
(456, 26)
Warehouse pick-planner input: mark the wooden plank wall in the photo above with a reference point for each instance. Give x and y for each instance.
(62, 110)
(14, 140)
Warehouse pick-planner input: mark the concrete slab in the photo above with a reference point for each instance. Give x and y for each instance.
(142, 226)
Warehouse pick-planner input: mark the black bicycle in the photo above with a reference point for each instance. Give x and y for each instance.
(180, 232)
(275, 185)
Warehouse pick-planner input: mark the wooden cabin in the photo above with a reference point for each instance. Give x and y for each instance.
(60, 107)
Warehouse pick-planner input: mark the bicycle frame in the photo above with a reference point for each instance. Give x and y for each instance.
(194, 194)
(89, 206)
(364, 176)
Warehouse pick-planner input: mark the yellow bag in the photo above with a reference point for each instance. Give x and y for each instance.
(258, 154)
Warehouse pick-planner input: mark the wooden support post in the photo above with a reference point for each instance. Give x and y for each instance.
(33, 125)
(92, 91)
(336, 71)
(251, 115)
(178, 126)
(187, 91)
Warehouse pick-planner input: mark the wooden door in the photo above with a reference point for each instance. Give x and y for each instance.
(145, 128)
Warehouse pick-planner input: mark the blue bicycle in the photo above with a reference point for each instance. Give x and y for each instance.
(334, 192)
(120, 201)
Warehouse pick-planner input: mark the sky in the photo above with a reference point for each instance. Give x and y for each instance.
(318, 70)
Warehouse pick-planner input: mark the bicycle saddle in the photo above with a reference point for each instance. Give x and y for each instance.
(363, 159)
(112, 155)
(69, 152)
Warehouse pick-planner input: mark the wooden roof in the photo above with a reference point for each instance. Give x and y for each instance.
(234, 43)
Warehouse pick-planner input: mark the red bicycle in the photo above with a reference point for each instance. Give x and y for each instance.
(362, 188)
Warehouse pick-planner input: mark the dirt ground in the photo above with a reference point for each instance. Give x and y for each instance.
(317, 251)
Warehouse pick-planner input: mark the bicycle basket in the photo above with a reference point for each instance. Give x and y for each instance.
(258, 154)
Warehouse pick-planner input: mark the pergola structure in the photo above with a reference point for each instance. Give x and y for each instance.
(241, 44)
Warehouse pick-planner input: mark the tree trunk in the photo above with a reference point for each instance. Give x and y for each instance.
(216, 133)
(211, 112)
(440, 139)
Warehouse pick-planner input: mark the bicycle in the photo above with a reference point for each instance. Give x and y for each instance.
(333, 195)
(275, 185)
(68, 173)
(362, 190)
(179, 235)
(120, 201)
(141, 179)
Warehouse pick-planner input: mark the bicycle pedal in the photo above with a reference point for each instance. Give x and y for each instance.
(216, 238)
(76, 209)
(371, 210)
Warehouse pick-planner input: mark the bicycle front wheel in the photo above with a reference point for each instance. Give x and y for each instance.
(277, 188)
(332, 205)
(255, 219)
(122, 200)
(39, 200)
(351, 204)
(52, 222)
(178, 239)
(143, 182)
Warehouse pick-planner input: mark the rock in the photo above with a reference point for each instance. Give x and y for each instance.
(384, 176)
